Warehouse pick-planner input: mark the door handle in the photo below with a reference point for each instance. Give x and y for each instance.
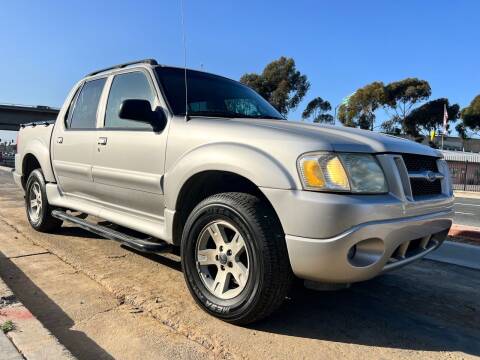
(102, 141)
(59, 140)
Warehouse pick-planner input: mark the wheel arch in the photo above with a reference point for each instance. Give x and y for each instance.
(37, 154)
(207, 183)
(31, 162)
(220, 167)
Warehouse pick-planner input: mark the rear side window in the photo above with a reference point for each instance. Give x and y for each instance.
(134, 85)
(84, 115)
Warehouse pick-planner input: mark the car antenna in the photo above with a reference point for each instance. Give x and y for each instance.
(184, 58)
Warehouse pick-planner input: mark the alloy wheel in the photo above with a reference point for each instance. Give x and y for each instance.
(35, 202)
(222, 259)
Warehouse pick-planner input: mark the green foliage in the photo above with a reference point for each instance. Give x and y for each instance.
(471, 115)
(398, 96)
(7, 326)
(318, 109)
(407, 92)
(359, 110)
(402, 95)
(391, 126)
(430, 116)
(280, 83)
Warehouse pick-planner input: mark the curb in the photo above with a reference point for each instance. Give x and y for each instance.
(29, 339)
(457, 254)
(465, 231)
(466, 194)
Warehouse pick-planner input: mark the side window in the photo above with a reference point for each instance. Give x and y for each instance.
(132, 85)
(84, 115)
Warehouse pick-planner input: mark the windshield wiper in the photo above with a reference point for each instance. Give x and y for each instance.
(263, 117)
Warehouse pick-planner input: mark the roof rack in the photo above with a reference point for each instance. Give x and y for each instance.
(120, 66)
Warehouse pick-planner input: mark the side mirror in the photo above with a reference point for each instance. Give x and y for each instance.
(141, 110)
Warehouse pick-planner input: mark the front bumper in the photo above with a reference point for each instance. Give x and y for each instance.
(366, 250)
(322, 228)
(346, 238)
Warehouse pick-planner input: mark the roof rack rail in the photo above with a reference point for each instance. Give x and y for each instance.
(119, 66)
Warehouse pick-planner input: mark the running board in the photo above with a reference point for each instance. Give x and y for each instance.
(127, 240)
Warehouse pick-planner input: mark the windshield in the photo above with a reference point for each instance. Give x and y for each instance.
(212, 95)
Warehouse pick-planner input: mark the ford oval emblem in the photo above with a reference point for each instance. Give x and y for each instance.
(431, 177)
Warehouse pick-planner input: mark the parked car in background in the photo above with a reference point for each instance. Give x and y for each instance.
(250, 199)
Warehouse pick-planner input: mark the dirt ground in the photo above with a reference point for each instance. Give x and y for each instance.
(103, 301)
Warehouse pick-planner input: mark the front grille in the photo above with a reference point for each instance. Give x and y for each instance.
(421, 163)
(415, 162)
(422, 187)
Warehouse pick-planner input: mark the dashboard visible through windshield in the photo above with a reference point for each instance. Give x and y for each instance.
(212, 95)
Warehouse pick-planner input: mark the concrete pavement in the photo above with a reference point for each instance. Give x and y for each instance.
(467, 211)
(29, 339)
(7, 350)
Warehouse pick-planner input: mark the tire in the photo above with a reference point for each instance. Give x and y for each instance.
(253, 291)
(39, 216)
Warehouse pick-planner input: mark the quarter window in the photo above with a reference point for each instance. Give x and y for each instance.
(132, 85)
(84, 115)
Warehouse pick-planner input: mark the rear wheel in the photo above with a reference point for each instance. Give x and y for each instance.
(234, 258)
(37, 206)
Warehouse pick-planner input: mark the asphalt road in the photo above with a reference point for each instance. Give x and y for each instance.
(426, 310)
(467, 211)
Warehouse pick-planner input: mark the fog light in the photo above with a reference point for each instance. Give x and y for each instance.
(366, 253)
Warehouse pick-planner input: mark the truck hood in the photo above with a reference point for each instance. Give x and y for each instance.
(344, 139)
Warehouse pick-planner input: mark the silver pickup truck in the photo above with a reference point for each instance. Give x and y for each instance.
(250, 200)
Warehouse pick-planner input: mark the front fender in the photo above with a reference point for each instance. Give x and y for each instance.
(252, 163)
(41, 151)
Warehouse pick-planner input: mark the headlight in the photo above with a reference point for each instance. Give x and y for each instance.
(347, 172)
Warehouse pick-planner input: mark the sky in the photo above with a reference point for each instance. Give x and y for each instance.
(47, 46)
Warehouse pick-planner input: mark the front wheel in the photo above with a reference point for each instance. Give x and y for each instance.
(37, 206)
(234, 258)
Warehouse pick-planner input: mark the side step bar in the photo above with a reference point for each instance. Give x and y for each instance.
(127, 240)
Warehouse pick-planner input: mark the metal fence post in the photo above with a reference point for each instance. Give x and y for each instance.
(466, 171)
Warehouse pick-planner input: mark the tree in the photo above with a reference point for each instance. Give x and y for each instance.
(318, 108)
(429, 117)
(280, 83)
(401, 96)
(359, 110)
(471, 115)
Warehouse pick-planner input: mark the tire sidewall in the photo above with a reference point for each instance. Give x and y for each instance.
(241, 304)
(36, 177)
